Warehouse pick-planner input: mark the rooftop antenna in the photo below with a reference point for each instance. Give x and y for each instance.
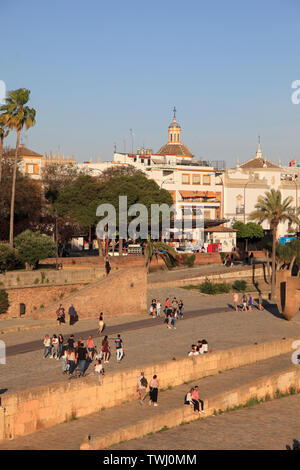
(115, 147)
(124, 145)
(132, 134)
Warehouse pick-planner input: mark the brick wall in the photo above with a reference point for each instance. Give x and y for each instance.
(123, 291)
(34, 297)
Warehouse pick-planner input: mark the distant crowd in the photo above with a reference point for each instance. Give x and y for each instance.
(173, 310)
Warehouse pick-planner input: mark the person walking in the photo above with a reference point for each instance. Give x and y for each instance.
(72, 314)
(90, 347)
(71, 342)
(60, 313)
(141, 387)
(154, 384)
(180, 309)
(260, 301)
(99, 370)
(249, 302)
(81, 359)
(158, 308)
(235, 301)
(105, 349)
(60, 346)
(244, 302)
(71, 360)
(107, 266)
(119, 348)
(64, 358)
(54, 344)
(47, 346)
(174, 319)
(101, 323)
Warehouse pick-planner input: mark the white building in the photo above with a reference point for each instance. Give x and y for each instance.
(245, 183)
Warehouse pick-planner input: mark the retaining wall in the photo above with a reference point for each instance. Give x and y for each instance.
(259, 388)
(27, 411)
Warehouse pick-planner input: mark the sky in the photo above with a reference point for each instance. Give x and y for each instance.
(97, 69)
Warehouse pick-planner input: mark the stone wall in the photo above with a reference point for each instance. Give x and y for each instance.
(27, 411)
(259, 388)
(50, 277)
(35, 297)
(123, 291)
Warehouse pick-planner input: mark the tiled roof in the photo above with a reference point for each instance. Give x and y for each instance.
(23, 151)
(175, 149)
(258, 162)
(220, 228)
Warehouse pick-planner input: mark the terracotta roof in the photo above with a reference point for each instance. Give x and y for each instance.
(175, 149)
(24, 152)
(219, 228)
(258, 162)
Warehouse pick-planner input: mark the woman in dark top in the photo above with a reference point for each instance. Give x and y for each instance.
(105, 349)
(60, 345)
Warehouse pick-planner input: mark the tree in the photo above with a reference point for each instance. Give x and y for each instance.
(3, 133)
(273, 210)
(7, 257)
(160, 250)
(32, 247)
(249, 230)
(117, 171)
(15, 115)
(28, 200)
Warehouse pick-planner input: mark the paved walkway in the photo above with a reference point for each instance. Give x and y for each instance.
(70, 435)
(222, 330)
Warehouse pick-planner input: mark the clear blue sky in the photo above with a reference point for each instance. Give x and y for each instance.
(97, 68)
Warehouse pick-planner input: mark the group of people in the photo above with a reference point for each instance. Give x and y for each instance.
(192, 398)
(141, 388)
(61, 315)
(247, 302)
(77, 355)
(173, 309)
(200, 348)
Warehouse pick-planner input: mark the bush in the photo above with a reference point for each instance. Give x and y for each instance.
(211, 288)
(239, 286)
(7, 257)
(4, 303)
(32, 247)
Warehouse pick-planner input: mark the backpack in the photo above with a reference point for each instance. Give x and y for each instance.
(144, 382)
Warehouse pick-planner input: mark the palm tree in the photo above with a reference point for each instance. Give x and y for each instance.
(3, 134)
(273, 210)
(162, 250)
(15, 115)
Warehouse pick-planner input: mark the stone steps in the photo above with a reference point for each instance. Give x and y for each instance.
(131, 420)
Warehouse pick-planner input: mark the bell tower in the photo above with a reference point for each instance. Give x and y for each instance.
(174, 131)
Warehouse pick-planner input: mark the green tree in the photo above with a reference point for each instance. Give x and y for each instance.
(160, 250)
(7, 257)
(272, 209)
(32, 247)
(15, 115)
(248, 231)
(117, 171)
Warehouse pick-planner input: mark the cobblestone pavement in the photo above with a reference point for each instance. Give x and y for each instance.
(268, 426)
(148, 345)
(70, 435)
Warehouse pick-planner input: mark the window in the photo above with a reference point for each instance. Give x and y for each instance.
(185, 179)
(206, 179)
(206, 214)
(30, 169)
(171, 135)
(196, 179)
